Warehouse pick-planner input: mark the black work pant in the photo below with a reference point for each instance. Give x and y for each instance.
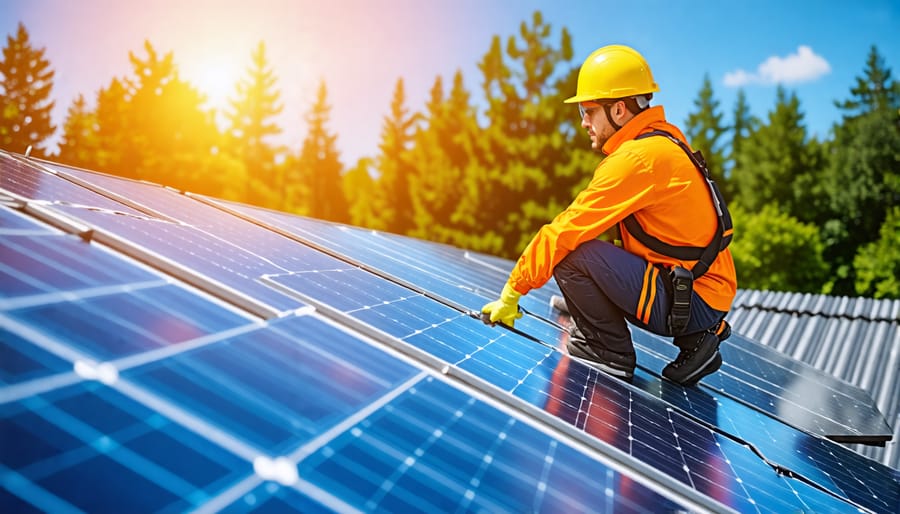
(605, 285)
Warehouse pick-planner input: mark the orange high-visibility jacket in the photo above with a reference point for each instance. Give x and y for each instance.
(655, 180)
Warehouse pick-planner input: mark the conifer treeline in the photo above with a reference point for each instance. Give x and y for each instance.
(810, 215)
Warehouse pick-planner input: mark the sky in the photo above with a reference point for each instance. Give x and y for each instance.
(360, 48)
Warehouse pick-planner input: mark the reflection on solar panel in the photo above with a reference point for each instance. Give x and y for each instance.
(182, 353)
(751, 374)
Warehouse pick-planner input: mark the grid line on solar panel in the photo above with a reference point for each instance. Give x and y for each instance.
(151, 473)
(398, 264)
(411, 441)
(24, 181)
(207, 262)
(467, 359)
(400, 254)
(107, 185)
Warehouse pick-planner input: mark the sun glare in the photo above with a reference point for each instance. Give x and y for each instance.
(215, 77)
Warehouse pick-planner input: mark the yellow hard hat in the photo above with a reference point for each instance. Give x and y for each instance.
(613, 71)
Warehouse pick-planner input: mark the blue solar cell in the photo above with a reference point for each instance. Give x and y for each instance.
(443, 451)
(124, 322)
(276, 388)
(32, 265)
(22, 361)
(33, 184)
(197, 251)
(545, 377)
(89, 447)
(437, 270)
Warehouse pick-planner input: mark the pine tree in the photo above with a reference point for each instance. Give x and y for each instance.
(862, 181)
(79, 144)
(773, 157)
(251, 126)
(524, 174)
(443, 150)
(874, 91)
(171, 139)
(394, 208)
(704, 129)
(26, 82)
(358, 187)
(743, 124)
(115, 153)
(320, 166)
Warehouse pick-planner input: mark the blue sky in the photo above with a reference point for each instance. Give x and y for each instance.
(360, 48)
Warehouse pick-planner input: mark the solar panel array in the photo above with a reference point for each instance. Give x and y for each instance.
(167, 352)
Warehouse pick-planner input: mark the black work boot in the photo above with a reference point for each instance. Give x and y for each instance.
(619, 365)
(699, 355)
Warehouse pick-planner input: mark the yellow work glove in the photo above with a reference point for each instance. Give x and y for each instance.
(505, 310)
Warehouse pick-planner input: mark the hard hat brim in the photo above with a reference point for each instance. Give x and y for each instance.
(579, 99)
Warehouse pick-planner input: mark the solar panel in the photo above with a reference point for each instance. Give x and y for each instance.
(197, 426)
(360, 391)
(491, 367)
(761, 379)
(547, 379)
(29, 183)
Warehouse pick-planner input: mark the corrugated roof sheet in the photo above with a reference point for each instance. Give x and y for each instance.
(854, 339)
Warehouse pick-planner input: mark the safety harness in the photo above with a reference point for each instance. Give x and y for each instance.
(682, 279)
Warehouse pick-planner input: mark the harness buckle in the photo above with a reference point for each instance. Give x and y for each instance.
(682, 289)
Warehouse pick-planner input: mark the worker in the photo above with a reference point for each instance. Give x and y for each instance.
(673, 273)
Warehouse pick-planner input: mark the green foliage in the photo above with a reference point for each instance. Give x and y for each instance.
(393, 195)
(809, 215)
(26, 81)
(743, 124)
(874, 91)
(79, 145)
(320, 166)
(251, 126)
(443, 150)
(775, 251)
(863, 179)
(774, 157)
(520, 178)
(705, 130)
(877, 264)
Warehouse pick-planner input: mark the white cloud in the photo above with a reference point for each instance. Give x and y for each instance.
(803, 66)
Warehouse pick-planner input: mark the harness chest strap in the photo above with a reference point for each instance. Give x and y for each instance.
(682, 279)
(722, 237)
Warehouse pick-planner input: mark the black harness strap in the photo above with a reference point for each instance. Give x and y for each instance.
(683, 280)
(721, 239)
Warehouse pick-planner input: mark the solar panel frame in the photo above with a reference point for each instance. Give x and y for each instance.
(394, 326)
(469, 373)
(401, 261)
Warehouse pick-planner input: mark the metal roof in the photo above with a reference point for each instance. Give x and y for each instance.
(854, 339)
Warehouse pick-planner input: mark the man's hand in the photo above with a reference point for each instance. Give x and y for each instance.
(505, 310)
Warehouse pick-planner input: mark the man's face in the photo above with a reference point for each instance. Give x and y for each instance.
(594, 120)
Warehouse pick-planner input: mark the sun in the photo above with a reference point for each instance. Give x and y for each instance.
(216, 77)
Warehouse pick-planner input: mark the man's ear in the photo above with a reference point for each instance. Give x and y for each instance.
(621, 110)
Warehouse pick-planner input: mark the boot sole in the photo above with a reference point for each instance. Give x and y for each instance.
(609, 370)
